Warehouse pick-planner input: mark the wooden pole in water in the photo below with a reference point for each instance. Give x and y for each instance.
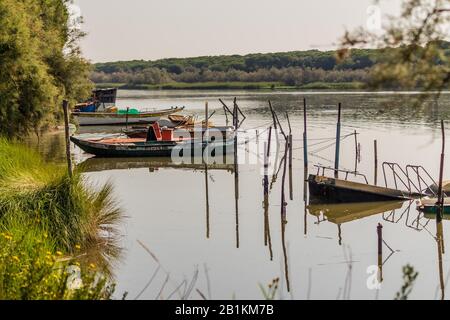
(291, 187)
(236, 173)
(338, 143)
(226, 116)
(274, 119)
(267, 237)
(380, 251)
(67, 137)
(126, 119)
(356, 152)
(375, 150)
(305, 140)
(440, 202)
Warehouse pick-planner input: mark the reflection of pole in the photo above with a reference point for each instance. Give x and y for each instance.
(440, 251)
(339, 234)
(338, 143)
(375, 149)
(236, 178)
(283, 218)
(67, 136)
(267, 239)
(380, 252)
(207, 200)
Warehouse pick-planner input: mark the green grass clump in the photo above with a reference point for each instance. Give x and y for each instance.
(43, 209)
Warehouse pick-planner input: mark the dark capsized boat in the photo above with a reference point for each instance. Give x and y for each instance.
(324, 189)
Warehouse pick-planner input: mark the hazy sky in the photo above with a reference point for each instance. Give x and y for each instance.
(153, 29)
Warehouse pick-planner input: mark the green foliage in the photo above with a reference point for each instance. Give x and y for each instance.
(30, 269)
(40, 64)
(44, 210)
(409, 278)
(414, 46)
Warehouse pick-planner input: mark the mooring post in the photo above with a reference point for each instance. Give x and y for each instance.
(305, 139)
(126, 119)
(67, 137)
(375, 150)
(440, 202)
(226, 116)
(380, 251)
(356, 152)
(274, 119)
(338, 143)
(291, 180)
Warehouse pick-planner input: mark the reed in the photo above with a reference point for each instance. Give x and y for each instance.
(43, 209)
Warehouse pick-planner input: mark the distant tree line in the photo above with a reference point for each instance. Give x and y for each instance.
(290, 68)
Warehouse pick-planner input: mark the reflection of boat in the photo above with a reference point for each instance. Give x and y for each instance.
(102, 164)
(346, 212)
(141, 148)
(330, 190)
(119, 117)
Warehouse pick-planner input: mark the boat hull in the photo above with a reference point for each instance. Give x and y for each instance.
(109, 118)
(150, 149)
(329, 190)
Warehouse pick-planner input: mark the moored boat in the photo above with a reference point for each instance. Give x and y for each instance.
(121, 117)
(428, 205)
(158, 143)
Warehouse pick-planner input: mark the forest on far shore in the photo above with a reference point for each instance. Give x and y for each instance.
(312, 68)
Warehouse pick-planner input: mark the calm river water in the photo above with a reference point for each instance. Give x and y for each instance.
(328, 251)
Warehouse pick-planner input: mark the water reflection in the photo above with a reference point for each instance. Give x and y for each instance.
(178, 232)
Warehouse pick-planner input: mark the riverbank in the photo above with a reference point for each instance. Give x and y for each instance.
(52, 228)
(234, 86)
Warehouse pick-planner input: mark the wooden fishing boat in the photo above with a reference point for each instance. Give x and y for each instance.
(330, 190)
(428, 205)
(141, 131)
(121, 117)
(160, 142)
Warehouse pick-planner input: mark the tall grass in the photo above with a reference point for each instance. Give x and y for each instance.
(46, 209)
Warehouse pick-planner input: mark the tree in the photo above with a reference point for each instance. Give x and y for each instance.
(415, 52)
(40, 64)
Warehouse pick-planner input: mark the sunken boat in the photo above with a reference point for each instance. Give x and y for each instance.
(324, 189)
